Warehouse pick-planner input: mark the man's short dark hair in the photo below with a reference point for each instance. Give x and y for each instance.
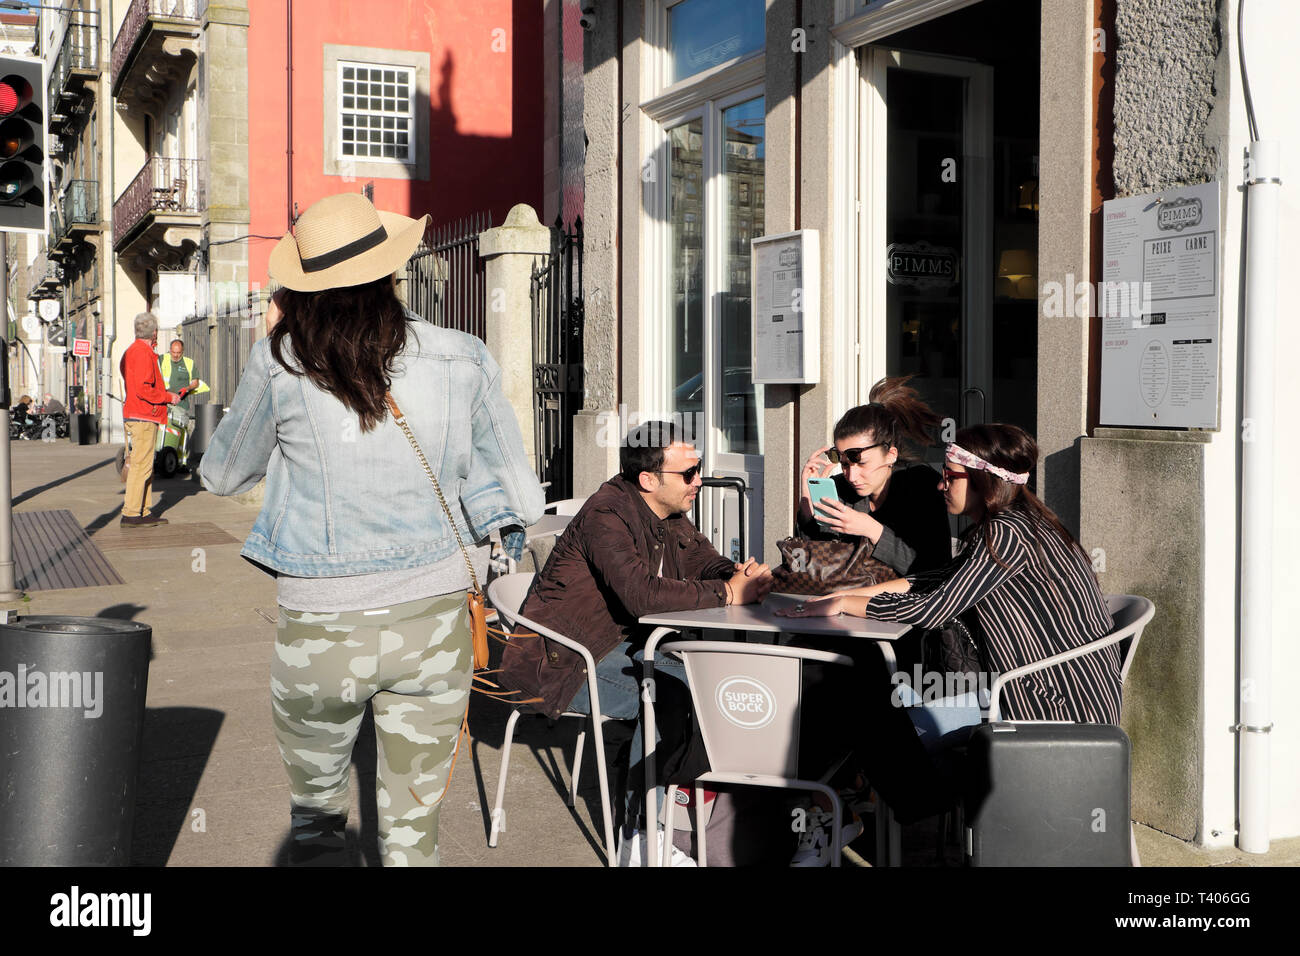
(643, 449)
(179, 342)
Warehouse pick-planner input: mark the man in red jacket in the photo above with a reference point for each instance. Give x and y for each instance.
(143, 411)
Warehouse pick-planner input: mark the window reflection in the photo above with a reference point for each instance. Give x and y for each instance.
(704, 33)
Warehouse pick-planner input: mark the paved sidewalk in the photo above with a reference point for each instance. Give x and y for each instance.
(209, 744)
(212, 789)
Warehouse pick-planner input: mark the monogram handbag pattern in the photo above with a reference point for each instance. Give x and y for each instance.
(820, 567)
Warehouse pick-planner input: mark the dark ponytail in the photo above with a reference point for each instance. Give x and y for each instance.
(895, 412)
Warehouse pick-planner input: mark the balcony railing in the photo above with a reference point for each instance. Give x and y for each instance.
(163, 186)
(137, 18)
(79, 53)
(80, 206)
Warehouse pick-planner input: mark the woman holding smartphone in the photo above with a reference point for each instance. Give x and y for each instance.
(1033, 589)
(893, 504)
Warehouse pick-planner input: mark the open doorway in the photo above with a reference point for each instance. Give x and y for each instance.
(949, 212)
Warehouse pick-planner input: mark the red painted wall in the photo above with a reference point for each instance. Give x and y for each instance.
(486, 108)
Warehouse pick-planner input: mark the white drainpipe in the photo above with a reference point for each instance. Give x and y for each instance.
(1263, 184)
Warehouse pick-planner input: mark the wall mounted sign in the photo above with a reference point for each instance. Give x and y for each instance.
(81, 347)
(786, 293)
(1159, 307)
(921, 265)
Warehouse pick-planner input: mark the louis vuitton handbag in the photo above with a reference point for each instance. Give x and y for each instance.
(820, 567)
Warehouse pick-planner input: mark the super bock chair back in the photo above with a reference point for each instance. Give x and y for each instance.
(747, 702)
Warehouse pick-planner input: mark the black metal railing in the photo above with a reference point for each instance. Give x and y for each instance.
(79, 206)
(78, 52)
(558, 308)
(137, 18)
(445, 282)
(163, 185)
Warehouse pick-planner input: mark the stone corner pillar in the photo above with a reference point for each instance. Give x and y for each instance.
(509, 253)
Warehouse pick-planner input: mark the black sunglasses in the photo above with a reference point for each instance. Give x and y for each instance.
(852, 456)
(687, 476)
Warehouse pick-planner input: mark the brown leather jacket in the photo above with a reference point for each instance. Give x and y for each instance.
(601, 577)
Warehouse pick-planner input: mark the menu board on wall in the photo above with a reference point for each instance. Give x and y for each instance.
(786, 276)
(1159, 307)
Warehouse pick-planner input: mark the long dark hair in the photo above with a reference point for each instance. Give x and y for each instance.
(1012, 448)
(345, 341)
(895, 412)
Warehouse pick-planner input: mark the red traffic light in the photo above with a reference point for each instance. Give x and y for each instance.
(8, 99)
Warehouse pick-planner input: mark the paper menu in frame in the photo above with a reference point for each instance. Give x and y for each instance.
(1159, 303)
(785, 277)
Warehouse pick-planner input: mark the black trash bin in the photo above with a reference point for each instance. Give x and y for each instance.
(73, 694)
(84, 429)
(206, 418)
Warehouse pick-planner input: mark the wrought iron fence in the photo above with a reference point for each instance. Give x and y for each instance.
(164, 184)
(445, 283)
(137, 16)
(557, 357)
(220, 345)
(79, 51)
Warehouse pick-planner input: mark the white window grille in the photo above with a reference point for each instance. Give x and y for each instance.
(376, 113)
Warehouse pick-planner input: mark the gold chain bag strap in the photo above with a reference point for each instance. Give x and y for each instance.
(478, 625)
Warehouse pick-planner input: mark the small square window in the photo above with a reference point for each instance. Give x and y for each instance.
(376, 106)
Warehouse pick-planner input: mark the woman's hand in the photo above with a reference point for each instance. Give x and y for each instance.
(817, 466)
(842, 519)
(828, 606)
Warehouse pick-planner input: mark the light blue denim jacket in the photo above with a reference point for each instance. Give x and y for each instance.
(341, 501)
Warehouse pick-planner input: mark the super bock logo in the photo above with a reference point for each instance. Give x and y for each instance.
(746, 702)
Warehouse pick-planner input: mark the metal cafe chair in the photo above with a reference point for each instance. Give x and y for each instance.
(1130, 613)
(507, 594)
(747, 705)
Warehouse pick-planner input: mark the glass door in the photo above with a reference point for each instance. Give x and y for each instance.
(716, 206)
(928, 258)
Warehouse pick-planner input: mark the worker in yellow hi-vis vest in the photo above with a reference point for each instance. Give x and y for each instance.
(178, 371)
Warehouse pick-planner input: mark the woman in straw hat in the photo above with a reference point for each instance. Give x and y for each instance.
(370, 577)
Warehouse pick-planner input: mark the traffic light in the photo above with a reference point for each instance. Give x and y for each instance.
(23, 201)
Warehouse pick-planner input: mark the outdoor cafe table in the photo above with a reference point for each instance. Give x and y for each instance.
(762, 619)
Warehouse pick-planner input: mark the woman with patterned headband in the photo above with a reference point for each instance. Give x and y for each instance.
(1030, 582)
(1034, 593)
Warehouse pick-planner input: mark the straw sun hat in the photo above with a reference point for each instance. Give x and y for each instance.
(344, 241)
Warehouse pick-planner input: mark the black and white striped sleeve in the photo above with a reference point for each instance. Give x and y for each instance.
(972, 579)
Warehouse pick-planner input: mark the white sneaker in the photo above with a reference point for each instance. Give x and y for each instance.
(631, 852)
(814, 847)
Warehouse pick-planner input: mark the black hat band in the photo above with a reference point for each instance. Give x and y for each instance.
(343, 253)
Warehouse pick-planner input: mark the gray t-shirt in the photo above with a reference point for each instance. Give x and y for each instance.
(360, 592)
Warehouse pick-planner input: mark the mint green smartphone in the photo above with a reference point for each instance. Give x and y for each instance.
(818, 489)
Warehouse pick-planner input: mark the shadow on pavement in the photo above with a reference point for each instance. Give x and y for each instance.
(33, 492)
(175, 747)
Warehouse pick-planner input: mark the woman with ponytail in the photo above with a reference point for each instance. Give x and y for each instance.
(882, 497)
(1029, 581)
(1033, 591)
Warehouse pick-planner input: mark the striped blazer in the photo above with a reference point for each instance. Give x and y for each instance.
(1045, 601)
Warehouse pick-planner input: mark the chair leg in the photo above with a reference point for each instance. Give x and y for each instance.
(498, 812)
(576, 774)
(611, 851)
(670, 805)
(699, 826)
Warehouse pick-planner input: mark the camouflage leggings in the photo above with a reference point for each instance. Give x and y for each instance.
(414, 661)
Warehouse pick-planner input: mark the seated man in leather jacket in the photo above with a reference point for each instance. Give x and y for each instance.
(630, 551)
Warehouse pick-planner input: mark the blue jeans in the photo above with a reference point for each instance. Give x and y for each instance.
(618, 682)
